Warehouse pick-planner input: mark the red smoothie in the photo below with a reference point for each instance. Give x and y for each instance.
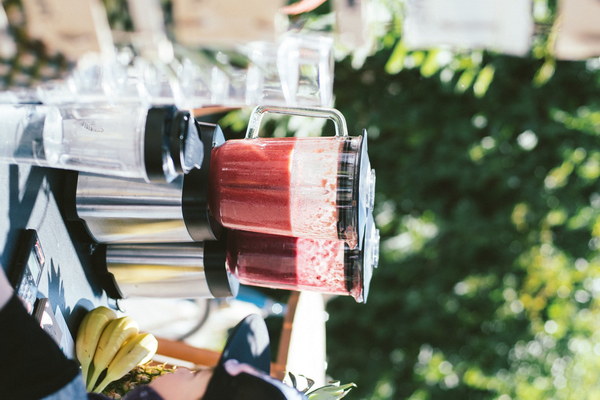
(292, 263)
(281, 186)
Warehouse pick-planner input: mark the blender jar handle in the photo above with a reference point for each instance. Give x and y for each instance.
(330, 113)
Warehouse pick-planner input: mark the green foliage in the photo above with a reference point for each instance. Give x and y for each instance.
(488, 203)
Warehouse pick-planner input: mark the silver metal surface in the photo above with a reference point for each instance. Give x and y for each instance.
(131, 211)
(173, 270)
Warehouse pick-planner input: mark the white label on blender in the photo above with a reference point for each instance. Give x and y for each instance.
(199, 22)
(70, 27)
(579, 34)
(501, 25)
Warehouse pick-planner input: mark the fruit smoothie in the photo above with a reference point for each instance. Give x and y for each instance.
(279, 262)
(280, 186)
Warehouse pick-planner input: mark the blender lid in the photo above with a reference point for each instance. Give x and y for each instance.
(187, 150)
(172, 145)
(370, 255)
(356, 190)
(200, 223)
(156, 133)
(365, 189)
(221, 282)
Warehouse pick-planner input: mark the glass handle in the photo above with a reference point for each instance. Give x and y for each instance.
(334, 115)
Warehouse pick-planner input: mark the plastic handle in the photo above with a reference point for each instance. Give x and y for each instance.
(330, 113)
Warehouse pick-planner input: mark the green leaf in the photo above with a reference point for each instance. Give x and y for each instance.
(431, 65)
(465, 80)
(483, 81)
(395, 63)
(545, 73)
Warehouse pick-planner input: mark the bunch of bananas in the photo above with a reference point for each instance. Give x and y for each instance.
(108, 347)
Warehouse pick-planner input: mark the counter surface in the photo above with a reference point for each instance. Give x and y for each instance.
(33, 199)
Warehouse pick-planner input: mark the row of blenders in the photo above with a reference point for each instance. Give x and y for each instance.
(287, 213)
(178, 210)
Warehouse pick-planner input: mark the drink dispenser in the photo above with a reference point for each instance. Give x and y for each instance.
(154, 144)
(314, 187)
(133, 211)
(177, 270)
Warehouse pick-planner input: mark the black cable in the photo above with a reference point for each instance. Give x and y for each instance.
(199, 324)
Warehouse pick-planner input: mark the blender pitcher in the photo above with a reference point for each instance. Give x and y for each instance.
(317, 187)
(317, 265)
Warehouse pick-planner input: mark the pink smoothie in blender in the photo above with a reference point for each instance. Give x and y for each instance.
(284, 186)
(283, 262)
(309, 187)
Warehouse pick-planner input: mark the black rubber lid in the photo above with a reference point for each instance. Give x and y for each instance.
(221, 282)
(156, 140)
(198, 220)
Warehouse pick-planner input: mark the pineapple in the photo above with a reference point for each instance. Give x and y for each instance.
(140, 375)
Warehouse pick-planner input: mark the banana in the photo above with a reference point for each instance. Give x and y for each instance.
(89, 333)
(116, 333)
(136, 351)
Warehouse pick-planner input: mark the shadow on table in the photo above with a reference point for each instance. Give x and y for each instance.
(20, 206)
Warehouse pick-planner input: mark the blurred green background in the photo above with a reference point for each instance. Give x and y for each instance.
(488, 203)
